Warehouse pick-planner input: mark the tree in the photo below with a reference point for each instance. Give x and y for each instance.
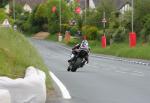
(40, 17)
(145, 32)
(54, 17)
(142, 8)
(3, 3)
(95, 16)
(107, 6)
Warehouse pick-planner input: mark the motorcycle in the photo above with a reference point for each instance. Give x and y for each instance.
(78, 61)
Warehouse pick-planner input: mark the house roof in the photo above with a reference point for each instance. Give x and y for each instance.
(31, 3)
(119, 3)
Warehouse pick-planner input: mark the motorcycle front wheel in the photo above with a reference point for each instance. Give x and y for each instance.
(74, 69)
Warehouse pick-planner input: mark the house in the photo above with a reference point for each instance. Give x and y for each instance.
(7, 9)
(27, 8)
(125, 7)
(31, 3)
(122, 5)
(28, 5)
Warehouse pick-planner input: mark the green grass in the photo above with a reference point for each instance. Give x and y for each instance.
(16, 54)
(122, 50)
(52, 37)
(116, 49)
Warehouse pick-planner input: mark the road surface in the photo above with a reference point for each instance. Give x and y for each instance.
(100, 81)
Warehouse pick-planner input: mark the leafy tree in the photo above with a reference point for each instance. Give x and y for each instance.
(94, 18)
(54, 17)
(18, 10)
(91, 32)
(41, 17)
(145, 32)
(3, 3)
(142, 8)
(107, 6)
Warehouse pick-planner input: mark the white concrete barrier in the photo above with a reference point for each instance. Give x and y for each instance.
(30, 89)
(5, 96)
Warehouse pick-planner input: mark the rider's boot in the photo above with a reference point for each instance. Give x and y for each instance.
(83, 63)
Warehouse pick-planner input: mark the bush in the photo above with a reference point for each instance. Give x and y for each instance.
(146, 28)
(91, 32)
(53, 27)
(26, 26)
(119, 35)
(73, 30)
(64, 28)
(23, 23)
(40, 17)
(3, 16)
(73, 41)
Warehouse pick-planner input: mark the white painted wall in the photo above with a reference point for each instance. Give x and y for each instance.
(125, 8)
(27, 8)
(92, 4)
(7, 9)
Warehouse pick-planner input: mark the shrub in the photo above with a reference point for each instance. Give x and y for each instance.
(73, 41)
(2, 15)
(91, 32)
(73, 30)
(119, 34)
(146, 28)
(64, 28)
(23, 23)
(26, 26)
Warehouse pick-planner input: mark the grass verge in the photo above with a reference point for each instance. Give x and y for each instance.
(122, 50)
(16, 54)
(116, 49)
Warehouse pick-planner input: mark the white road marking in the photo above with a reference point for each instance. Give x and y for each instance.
(63, 89)
(120, 72)
(136, 74)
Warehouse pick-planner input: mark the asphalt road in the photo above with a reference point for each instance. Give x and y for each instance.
(100, 81)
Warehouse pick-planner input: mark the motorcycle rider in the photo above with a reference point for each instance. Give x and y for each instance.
(75, 50)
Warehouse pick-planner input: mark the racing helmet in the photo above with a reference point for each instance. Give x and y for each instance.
(84, 44)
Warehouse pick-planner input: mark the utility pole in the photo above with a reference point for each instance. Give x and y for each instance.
(60, 15)
(132, 35)
(14, 15)
(85, 10)
(104, 22)
(132, 15)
